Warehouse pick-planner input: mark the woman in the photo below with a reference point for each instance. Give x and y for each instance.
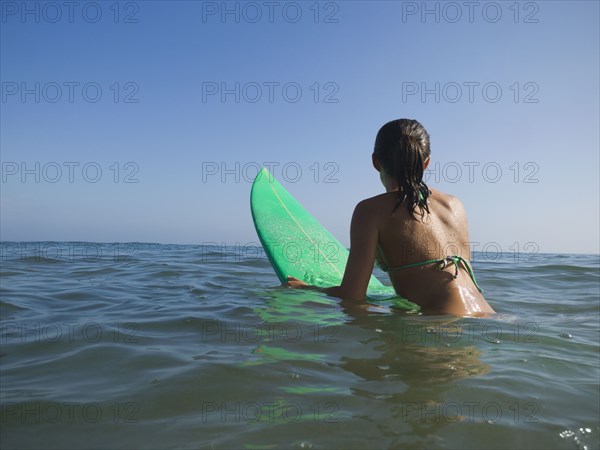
(410, 229)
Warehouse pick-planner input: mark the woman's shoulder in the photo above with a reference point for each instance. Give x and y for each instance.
(376, 201)
(439, 203)
(391, 197)
(446, 200)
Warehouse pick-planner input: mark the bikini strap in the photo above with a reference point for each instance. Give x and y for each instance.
(456, 260)
(441, 265)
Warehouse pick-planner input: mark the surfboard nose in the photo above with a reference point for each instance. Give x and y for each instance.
(262, 173)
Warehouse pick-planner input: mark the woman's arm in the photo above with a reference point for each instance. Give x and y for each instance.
(363, 246)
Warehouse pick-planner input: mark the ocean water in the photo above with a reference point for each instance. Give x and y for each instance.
(188, 346)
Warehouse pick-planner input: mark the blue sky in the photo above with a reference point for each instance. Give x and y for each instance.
(157, 114)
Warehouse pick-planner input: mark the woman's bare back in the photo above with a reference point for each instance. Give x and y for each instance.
(435, 235)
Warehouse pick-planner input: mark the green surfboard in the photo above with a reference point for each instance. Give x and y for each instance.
(296, 243)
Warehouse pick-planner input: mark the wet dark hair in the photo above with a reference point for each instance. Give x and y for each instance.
(402, 146)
